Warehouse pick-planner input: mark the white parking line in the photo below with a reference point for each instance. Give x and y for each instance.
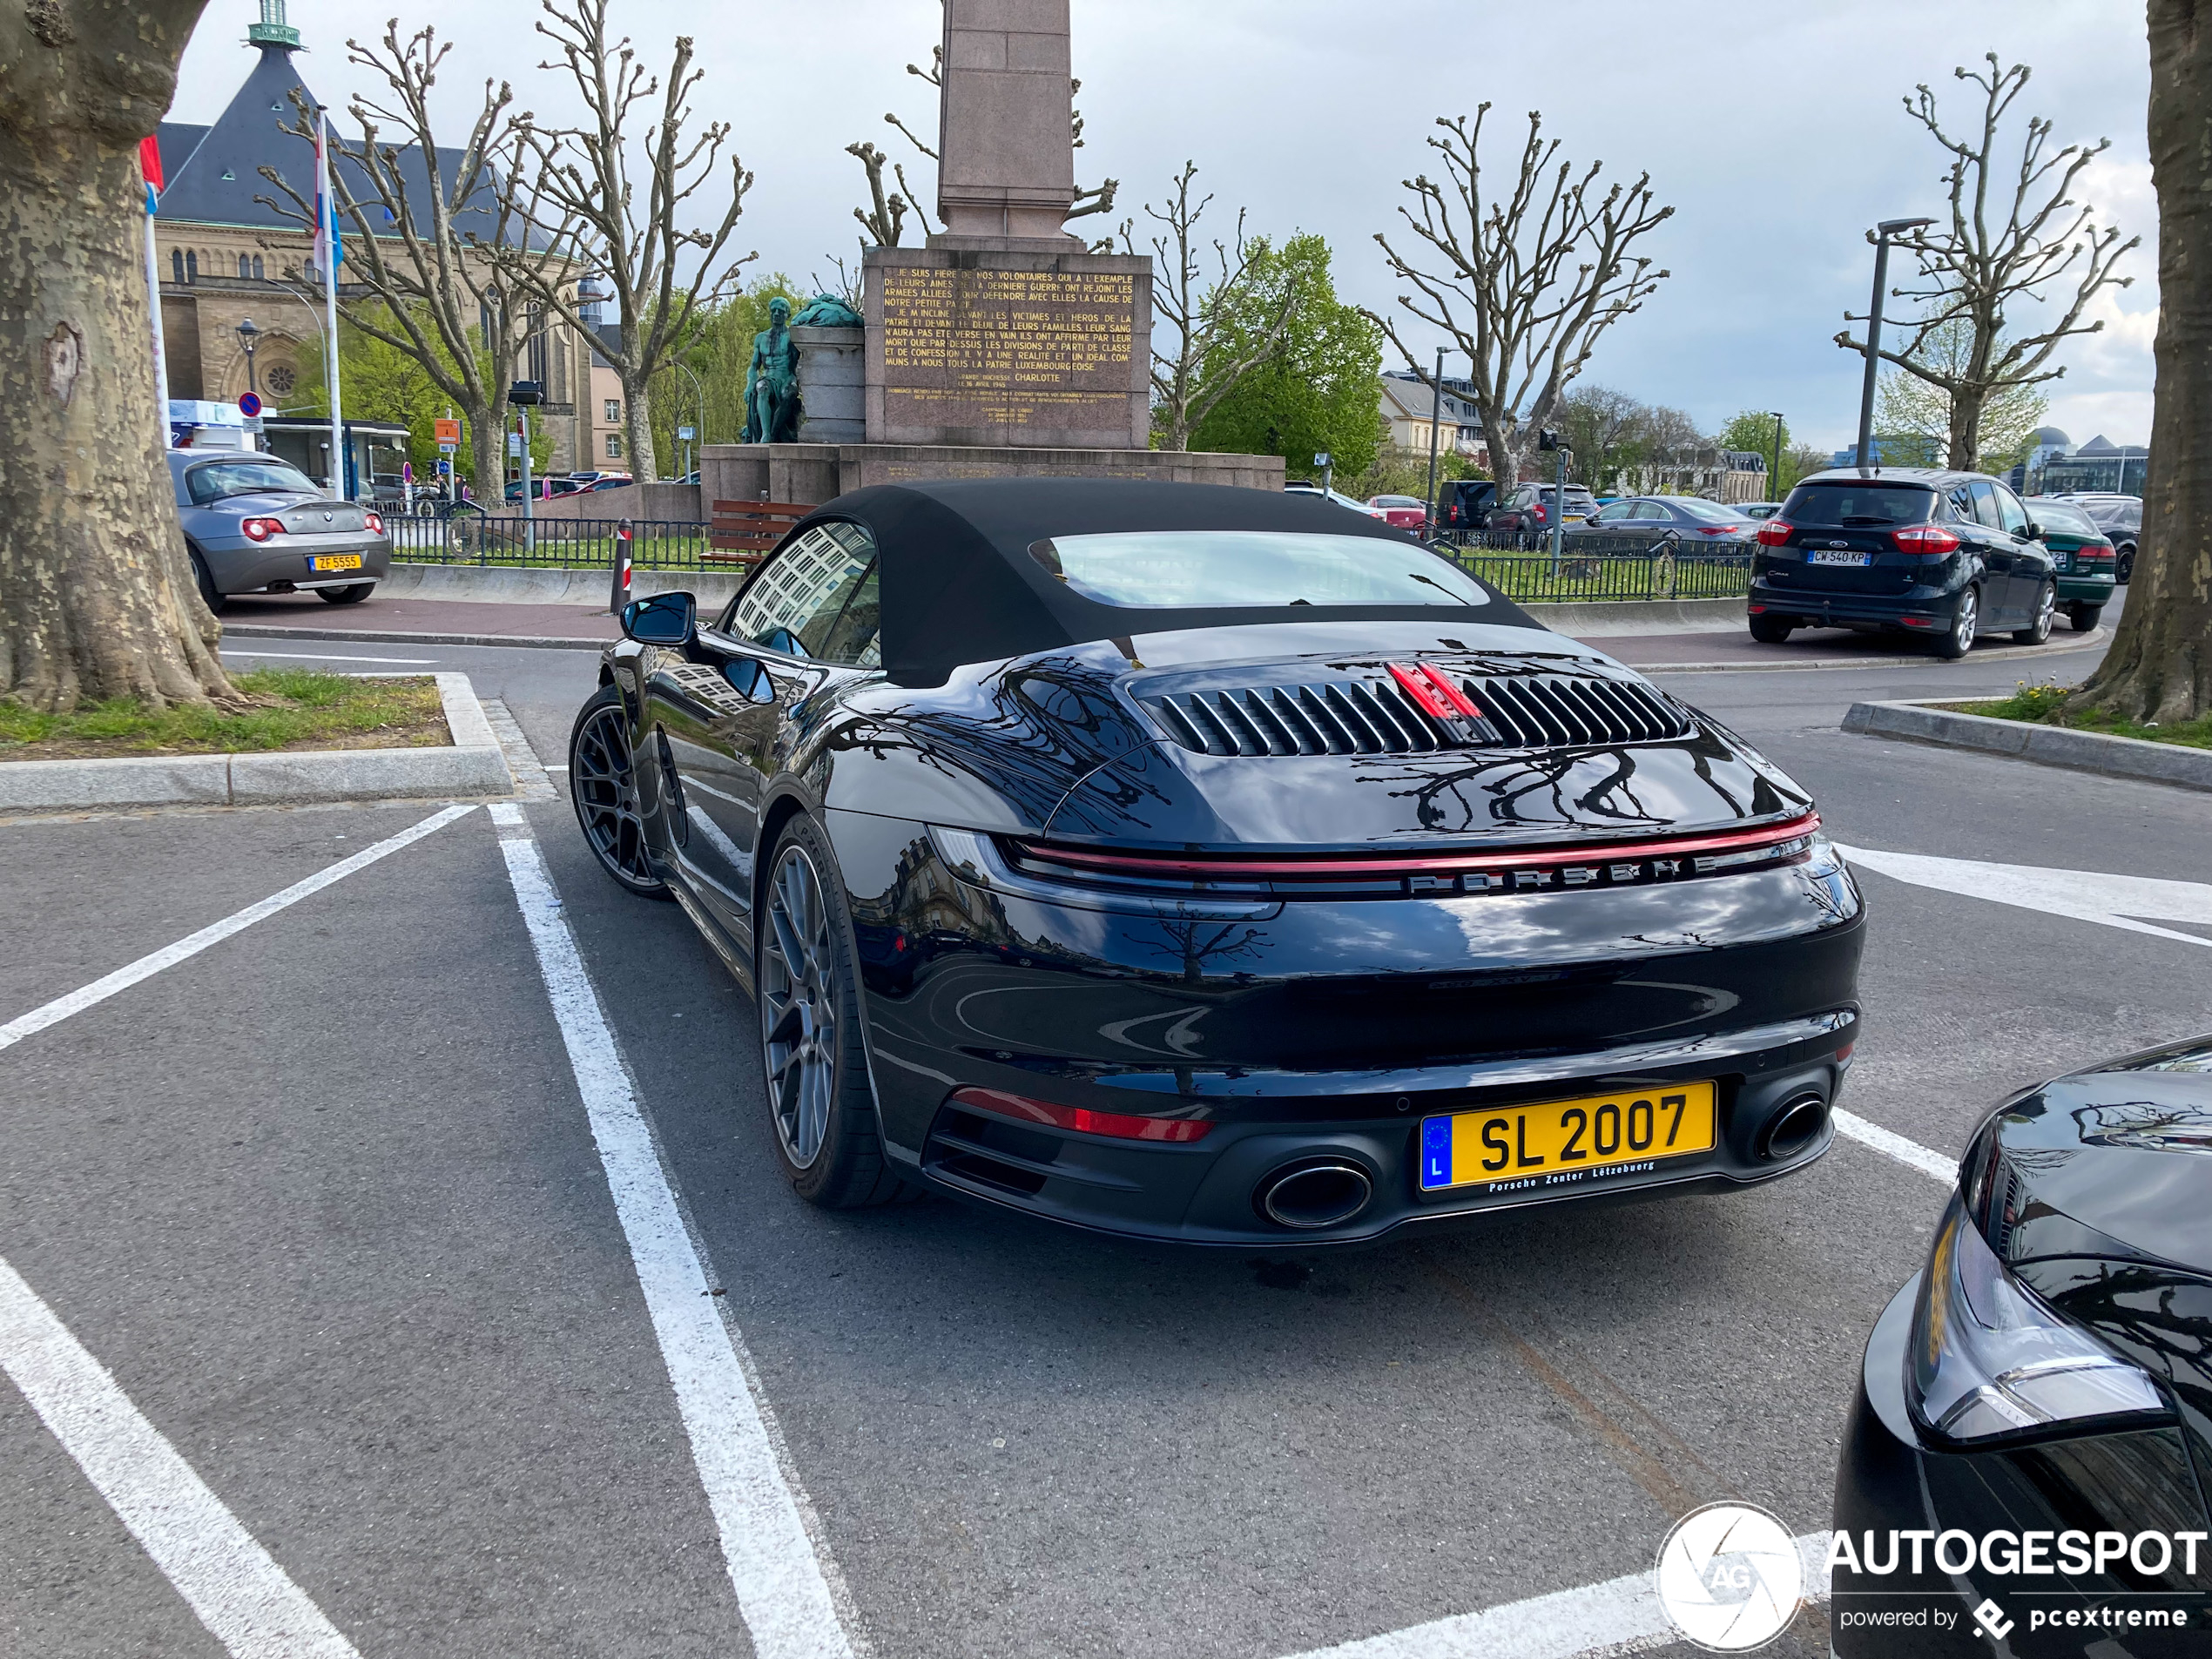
(1621, 1615)
(1910, 1153)
(324, 656)
(782, 1590)
(169, 955)
(245, 1599)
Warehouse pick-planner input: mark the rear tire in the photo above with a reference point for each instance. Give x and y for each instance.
(814, 1063)
(1773, 630)
(348, 596)
(210, 595)
(2085, 617)
(2124, 567)
(1960, 640)
(2036, 632)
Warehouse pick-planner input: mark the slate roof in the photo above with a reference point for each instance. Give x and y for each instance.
(213, 173)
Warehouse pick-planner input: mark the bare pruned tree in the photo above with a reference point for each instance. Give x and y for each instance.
(1197, 297)
(97, 597)
(2159, 666)
(1526, 283)
(437, 256)
(580, 177)
(1979, 263)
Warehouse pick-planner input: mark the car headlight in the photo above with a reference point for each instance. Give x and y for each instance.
(1990, 1361)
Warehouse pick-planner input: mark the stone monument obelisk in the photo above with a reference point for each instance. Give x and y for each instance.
(1004, 347)
(1005, 330)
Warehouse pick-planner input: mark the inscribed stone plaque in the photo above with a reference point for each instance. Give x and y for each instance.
(967, 348)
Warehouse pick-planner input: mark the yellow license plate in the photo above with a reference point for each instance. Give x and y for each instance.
(334, 562)
(1557, 1143)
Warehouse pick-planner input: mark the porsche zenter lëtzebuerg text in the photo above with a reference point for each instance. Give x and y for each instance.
(1204, 864)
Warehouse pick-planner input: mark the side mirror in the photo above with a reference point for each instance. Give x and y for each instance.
(2034, 531)
(665, 619)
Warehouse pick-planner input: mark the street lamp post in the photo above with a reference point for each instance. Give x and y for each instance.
(249, 337)
(1435, 427)
(1774, 478)
(1883, 232)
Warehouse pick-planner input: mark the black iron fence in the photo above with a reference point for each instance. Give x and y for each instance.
(576, 544)
(1522, 566)
(1594, 568)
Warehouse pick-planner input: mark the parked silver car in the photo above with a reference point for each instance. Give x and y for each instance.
(256, 524)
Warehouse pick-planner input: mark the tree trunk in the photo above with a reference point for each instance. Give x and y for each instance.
(2160, 667)
(96, 593)
(637, 430)
(1505, 466)
(1966, 405)
(488, 445)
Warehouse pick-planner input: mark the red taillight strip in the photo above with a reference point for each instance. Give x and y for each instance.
(1120, 1126)
(1593, 852)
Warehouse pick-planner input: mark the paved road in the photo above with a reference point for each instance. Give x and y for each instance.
(325, 1201)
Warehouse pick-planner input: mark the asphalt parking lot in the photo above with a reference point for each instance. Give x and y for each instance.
(330, 1202)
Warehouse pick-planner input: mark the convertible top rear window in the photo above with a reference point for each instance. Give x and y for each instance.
(1260, 570)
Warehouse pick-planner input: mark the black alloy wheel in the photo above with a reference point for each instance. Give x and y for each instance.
(1773, 630)
(1965, 622)
(2124, 567)
(2047, 604)
(352, 594)
(602, 786)
(813, 1059)
(2085, 617)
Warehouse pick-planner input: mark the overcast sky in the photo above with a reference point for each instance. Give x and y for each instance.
(1776, 132)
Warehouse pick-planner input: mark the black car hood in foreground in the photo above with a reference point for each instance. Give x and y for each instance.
(2097, 1189)
(2114, 1163)
(1101, 742)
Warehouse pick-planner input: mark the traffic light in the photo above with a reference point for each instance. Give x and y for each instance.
(1547, 439)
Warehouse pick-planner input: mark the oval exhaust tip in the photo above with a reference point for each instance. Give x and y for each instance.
(1796, 1126)
(1315, 1195)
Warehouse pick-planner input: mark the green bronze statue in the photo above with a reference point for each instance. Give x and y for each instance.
(772, 403)
(827, 311)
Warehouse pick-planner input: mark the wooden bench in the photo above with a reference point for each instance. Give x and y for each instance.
(743, 530)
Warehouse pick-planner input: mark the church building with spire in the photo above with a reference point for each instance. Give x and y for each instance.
(224, 257)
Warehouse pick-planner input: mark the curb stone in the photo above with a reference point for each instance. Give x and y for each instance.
(2049, 745)
(474, 766)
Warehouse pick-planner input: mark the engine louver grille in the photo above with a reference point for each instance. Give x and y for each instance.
(1366, 717)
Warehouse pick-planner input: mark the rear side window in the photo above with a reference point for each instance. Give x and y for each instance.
(1855, 505)
(797, 601)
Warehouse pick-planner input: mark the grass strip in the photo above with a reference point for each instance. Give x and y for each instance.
(2051, 705)
(279, 708)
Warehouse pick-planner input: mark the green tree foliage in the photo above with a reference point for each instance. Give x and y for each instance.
(717, 346)
(1753, 429)
(1906, 402)
(1321, 391)
(378, 381)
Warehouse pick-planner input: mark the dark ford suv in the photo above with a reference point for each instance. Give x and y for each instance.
(1947, 555)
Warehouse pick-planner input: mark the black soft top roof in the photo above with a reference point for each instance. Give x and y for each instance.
(958, 584)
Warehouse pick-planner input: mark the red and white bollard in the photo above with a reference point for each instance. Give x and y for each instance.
(620, 597)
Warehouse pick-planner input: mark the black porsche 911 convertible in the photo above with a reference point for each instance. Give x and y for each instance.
(1210, 865)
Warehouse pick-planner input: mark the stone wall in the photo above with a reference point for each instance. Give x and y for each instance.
(810, 474)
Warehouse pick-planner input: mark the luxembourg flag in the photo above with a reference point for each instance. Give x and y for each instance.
(329, 251)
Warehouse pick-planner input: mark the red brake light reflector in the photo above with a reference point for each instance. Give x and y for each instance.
(375, 524)
(1927, 539)
(259, 529)
(1773, 532)
(1120, 1126)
